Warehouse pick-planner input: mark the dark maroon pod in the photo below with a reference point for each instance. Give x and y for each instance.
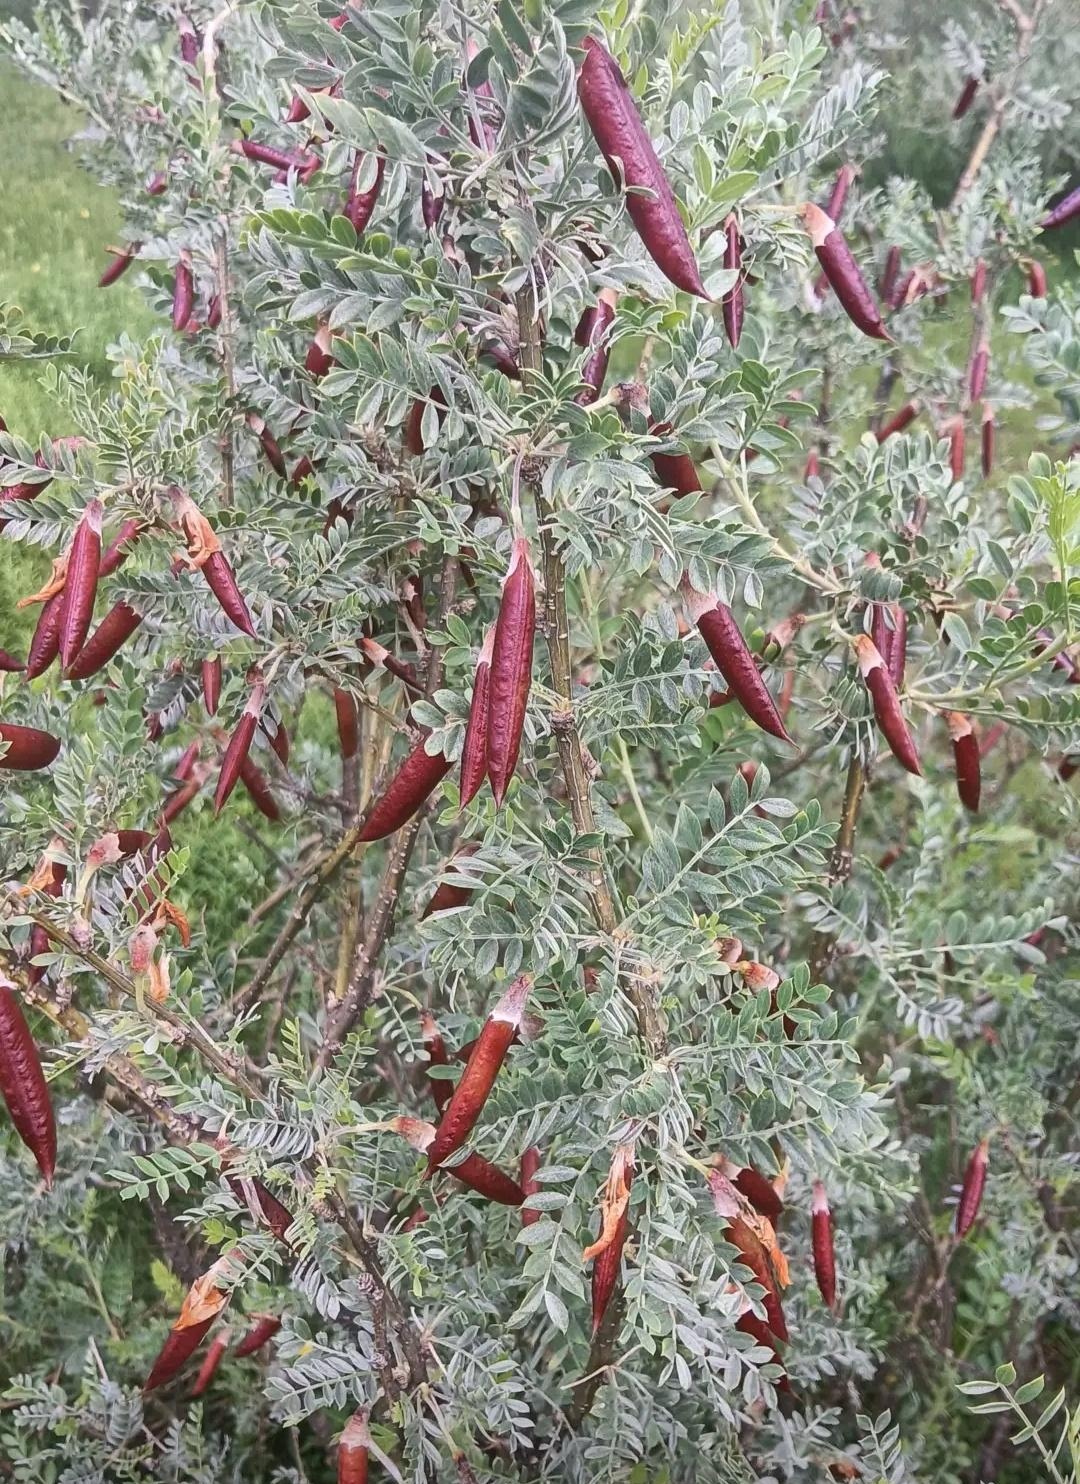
(966, 755)
(431, 205)
(116, 554)
(180, 1345)
(978, 281)
(675, 471)
(157, 183)
(9, 664)
(616, 124)
(190, 40)
(822, 1241)
(319, 358)
(211, 683)
(1063, 212)
(80, 583)
(23, 1085)
(474, 755)
(45, 644)
(1036, 276)
(222, 583)
(347, 723)
(966, 97)
(987, 440)
(114, 630)
(891, 642)
(843, 273)
(899, 421)
(183, 302)
(511, 669)
(27, 749)
(717, 626)
(419, 775)
(263, 1330)
(239, 746)
(733, 301)
(121, 262)
(258, 790)
(971, 1192)
(593, 333)
(834, 207)
(889, 274)
(890, 718)
(360, 205)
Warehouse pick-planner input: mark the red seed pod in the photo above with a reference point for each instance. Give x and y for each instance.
(413, 431)
(211, 683)
(319, 359)
(987, 440)
(45, 644)
(990, 739)
(606, 1252)
(179, 1347)
(474, 753)
(1036, 276)
(258, 790)
(222, 583)
(9, 665)
(25, 749)
(843, 273)
(978, 282)
(435, 1046)
(122, 259)
(275, 733)
(431, 205)
(354, 1451)
(446, 897)
(890, 718)
(592, 333)
(899, 421)
(761, 1193)
(511, 669)
(418, 1217)
(824, 1256)
(812, 469)
(482, 1068)
(114, 630)
(270, 447)
(185, 768)
(488, 1180)
(80, 585)
(971, 1192)
(218, 1346)
(889, 274)
(360, 205)
(22, 1082)
(1064, 211)
(183, 293)
(617, 126)
(298, 111)
(157, 183)
(116, 554)
(766, 1263)
(977, 371)
(733, 302)
(190, 40)
(966, 98)
(675, 471)
(506, 362)
(283, 160)
(239, 745)
(966, 755)
(302, 469)
(834, 207)
(178, 802)
(213, 312)
(348, 729)
(419, 775)
(263, 1205)
(530, 1163)
(261, 1332)
(957, 446)
(890, 640)
(717, 626)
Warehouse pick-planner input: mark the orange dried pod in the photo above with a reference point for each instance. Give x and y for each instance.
(607, 1250)
(478, 1078)
(354, 1450)
(203, 1303)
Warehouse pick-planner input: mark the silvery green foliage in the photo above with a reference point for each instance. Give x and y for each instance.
(917, 1006)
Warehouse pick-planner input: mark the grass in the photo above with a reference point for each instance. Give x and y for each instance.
(55, 222)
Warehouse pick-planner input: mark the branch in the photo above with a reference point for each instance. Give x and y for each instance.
(1025, 31)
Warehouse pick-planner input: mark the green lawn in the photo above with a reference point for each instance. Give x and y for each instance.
(53, 227)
